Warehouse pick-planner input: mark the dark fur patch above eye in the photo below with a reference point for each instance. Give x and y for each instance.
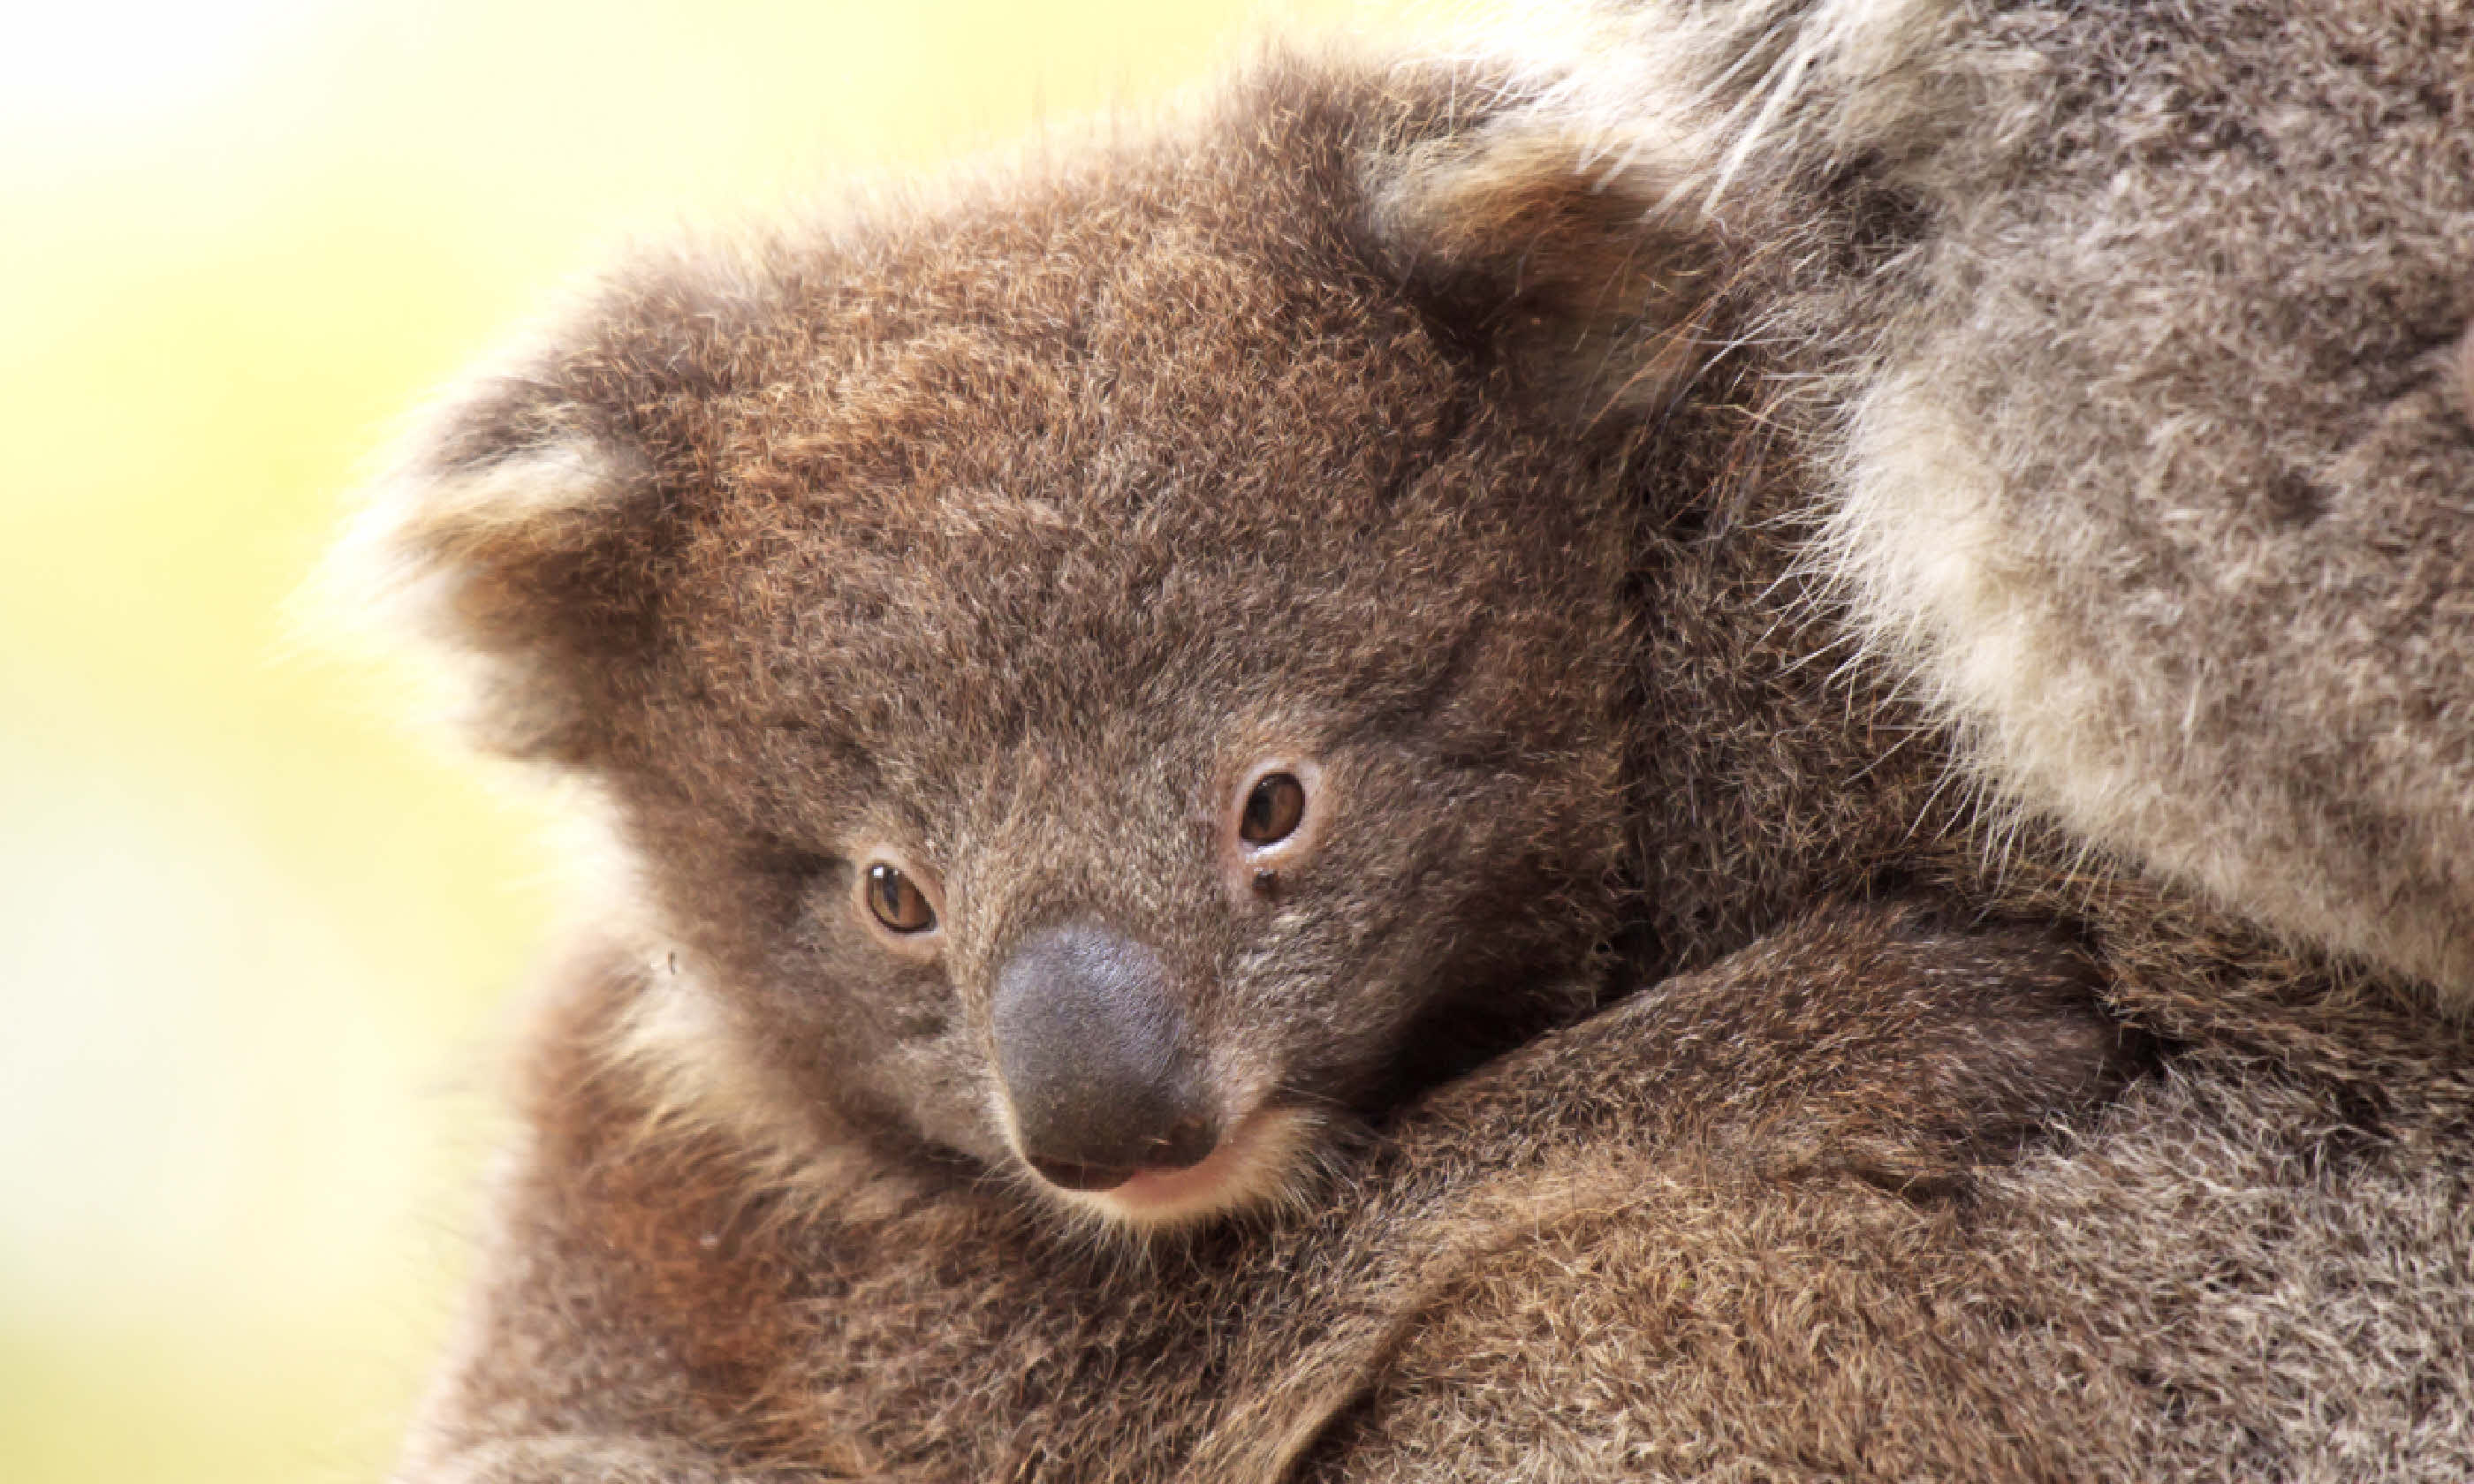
(792, 862)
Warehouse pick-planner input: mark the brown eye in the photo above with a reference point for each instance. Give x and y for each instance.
(1272, 810)
(896, 901)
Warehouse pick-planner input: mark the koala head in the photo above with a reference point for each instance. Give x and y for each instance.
(1092, 667)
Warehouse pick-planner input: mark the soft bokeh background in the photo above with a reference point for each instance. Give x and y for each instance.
(257, 935)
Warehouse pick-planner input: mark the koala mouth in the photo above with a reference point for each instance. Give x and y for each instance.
(1255, 1164)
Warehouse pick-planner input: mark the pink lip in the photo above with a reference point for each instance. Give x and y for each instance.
(1152, 1191)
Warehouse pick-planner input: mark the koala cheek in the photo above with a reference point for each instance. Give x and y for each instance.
(934, 1082)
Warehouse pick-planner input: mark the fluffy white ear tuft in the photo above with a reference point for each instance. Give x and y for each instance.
(490, 544)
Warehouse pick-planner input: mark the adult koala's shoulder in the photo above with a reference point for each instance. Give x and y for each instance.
(2149, 444)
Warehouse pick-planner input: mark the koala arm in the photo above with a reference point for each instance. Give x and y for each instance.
(1711, 1222)
(1858, 1031)
(1519, 1227)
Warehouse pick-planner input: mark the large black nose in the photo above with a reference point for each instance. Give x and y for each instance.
(1091, 1045)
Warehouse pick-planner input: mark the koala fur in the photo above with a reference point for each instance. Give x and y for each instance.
(1007, 541)
(2147, 450)
(1548, 458)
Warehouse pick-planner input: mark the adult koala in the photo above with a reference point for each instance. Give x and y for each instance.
(2147, 458)
(1785, 1213)
(2132, 358)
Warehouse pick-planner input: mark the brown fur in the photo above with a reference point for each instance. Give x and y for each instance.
(999, 521)
(963, 534)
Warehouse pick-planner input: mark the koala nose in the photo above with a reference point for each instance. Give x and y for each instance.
(1090, 1044)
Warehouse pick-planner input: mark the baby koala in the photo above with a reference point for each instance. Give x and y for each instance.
(1096, 673)
(1100, 671)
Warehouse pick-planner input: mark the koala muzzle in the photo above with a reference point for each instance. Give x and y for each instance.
(1091, 1045)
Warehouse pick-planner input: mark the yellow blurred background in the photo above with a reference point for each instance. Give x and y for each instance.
(257, 933)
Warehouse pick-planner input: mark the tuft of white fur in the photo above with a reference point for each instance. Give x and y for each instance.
(698, 1082)
(1917, 548)
(1701, 87)
(420, 535)
(1914, 545)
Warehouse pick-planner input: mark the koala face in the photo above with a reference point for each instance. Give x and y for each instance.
(1090, 672)
(1152, 897)
(1103, 788)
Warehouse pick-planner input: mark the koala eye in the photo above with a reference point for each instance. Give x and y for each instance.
(1272, 810)
(896, 901)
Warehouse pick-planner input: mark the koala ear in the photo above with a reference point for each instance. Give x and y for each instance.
(511, 538)
(1596, 280)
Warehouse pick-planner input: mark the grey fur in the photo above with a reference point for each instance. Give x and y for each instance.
(2148, 455)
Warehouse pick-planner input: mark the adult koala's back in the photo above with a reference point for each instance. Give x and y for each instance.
(2150, 450)
(2127, 347)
